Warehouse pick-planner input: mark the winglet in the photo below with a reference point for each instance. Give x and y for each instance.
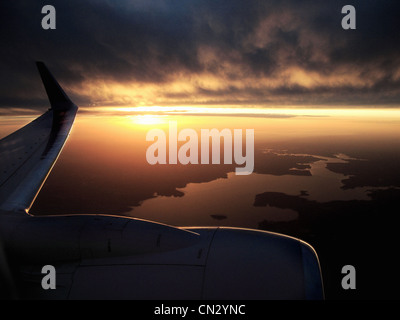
(58, 98)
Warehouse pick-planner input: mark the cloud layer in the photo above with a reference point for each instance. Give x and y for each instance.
(246, 53)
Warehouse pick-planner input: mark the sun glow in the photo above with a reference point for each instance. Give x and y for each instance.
(156, 114)
(148, 119)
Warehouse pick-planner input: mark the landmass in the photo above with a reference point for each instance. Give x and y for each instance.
(378, 171)
(218, 216)
(269, 162)
(362, 233)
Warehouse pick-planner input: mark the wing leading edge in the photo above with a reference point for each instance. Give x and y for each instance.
(28, 155)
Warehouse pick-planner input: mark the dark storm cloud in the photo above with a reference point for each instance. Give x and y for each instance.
(157, 42)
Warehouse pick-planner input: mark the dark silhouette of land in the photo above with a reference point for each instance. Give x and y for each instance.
(377, 171)
(362, 233)
(218, 216)
(267, 162)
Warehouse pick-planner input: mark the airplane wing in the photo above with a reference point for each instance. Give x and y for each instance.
(28, 155)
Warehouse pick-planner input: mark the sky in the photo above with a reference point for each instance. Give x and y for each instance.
(251, 53)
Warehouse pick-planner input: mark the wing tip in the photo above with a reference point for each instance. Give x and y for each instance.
(57, 97)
